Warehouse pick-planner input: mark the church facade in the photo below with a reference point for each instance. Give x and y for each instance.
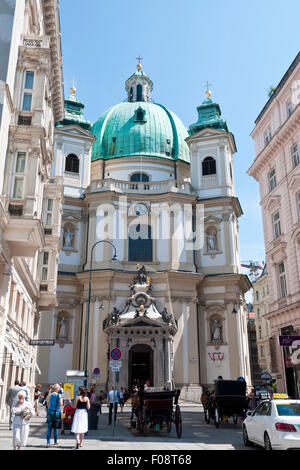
(149, 259)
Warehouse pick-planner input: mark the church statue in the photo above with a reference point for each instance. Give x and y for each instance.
(68, 238)
(212, 242)
(115, 316)
(166, 316)
(141, 277)
(216, 331)
(62, 329)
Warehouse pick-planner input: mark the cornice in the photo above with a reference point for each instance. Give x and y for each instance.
(282, 135)
(52, 29)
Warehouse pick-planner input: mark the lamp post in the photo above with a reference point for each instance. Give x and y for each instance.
(87, 324)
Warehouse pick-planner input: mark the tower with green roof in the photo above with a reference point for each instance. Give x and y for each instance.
(212, 147)
(73, 145)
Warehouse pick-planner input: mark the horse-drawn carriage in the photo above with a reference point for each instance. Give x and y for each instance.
(159, 409)
(227, 400)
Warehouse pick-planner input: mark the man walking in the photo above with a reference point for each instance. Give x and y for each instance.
(11, 397)
(112, 401)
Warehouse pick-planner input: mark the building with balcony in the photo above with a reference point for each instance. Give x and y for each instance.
(31, 103)
(276, 168)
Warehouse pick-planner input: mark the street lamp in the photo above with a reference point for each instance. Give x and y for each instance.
(87, 324)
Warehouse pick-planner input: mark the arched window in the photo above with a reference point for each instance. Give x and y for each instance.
(139, 177)
(139, 93)
(140, 115)
(131, 95)
(72, 163)
(209, 166)
(140, 243)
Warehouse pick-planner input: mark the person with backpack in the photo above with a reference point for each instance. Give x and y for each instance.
(54, 404)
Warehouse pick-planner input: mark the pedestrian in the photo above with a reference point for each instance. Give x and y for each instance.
(251, 400)
(122, 400)
(112, 403)
(37, 396)
(134, 407)
(26, 390)
(22, 411)
(92, 395)
(54, 404)
(102, 398)
(80, 421)
(11, 397)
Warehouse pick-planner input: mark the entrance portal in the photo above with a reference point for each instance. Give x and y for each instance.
(140, 365)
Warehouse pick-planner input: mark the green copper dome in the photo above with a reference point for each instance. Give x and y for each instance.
(140, 128)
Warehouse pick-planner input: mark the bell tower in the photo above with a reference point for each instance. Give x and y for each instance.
(212, 147)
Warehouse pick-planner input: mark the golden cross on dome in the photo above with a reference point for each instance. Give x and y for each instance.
(73, 89)
(139, 66)
(208, 92)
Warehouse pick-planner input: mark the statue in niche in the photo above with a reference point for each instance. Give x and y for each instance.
(216, 331)
(68, 239)
(211, 238)
(62, 329)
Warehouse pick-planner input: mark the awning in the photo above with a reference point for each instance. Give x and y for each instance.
(19, 357)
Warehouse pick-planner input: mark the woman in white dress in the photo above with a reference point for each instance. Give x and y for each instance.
(80, 420)
(22, 411)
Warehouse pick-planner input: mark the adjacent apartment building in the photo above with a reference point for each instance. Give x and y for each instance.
(260, 302)
(276, 168)
(31, 102)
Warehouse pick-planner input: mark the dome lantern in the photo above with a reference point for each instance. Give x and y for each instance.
(139, 86)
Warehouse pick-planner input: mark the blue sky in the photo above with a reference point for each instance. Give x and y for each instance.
(241, 48)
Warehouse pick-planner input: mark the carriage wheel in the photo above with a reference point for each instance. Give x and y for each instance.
(178, 422)
(207, 414)
(169, 424)
(217, 417)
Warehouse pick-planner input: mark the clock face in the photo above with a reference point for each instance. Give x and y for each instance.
(140, 209)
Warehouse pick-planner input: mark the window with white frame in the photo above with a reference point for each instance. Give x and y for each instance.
(295, 153)
(276, 225)
(19, 176)
(267, 136)
(45, 266)
(282, 280)
(272, 180)
(27, 91)
(49, 212)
